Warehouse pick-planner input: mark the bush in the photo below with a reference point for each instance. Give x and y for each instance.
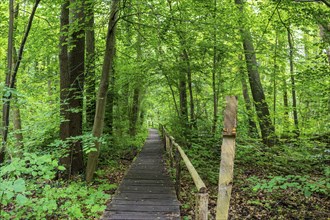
(28, 191)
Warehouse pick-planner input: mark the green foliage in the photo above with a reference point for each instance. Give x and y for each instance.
(303, 184)
(28, 191)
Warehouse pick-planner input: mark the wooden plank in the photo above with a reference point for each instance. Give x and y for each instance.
(143, 208)
(147, 202)
(135, 196)
(142, 216)
(146, 191)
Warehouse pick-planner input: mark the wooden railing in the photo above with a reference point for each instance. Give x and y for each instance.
(176, 154)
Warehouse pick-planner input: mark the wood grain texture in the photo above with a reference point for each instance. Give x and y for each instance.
(146, 191)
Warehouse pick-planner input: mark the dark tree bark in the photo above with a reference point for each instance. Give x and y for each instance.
(265, 123)
(293, 84)
(214, 71)
(76, 71)
(64, 84)
(102, 93)
(6, 103)
(183, 104)
(17, 122)
(134, 112)
(110, 103)
(90, 65)
(135, 109)
(186, 58)
(253, 130)
(11, 74)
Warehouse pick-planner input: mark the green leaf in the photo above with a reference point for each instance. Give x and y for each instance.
(98, 208)
(19, 185)
(61, 168)
(21, 199)
(307, 192)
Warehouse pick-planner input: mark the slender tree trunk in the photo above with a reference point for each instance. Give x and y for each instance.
(293, 85)
(134, 111)
(64, 84)
(286, 118)
(90, 65)
(137, 90)
(5, 108)
(183, 104)
(102, 94)
(17, 126)
(11, 74)
(214, 71)
(274, 82)
(266, 126)
(191, 95)
(110, 103)
(172, 93)
(17, 122)
(253, 130)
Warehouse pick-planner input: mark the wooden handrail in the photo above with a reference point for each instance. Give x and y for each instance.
(202, 195)
(195, 176)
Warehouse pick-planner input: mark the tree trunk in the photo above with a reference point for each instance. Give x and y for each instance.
(90, 65)
(76, 70)
(102, 94)
(11, 74)
(110, 102)
(253, 130)
(191, 95)
(266, 126)
(134, 112)
(183, 104)
(17, 126)
(5, 108)
(214, 71)
(293, 85)
(64, 84)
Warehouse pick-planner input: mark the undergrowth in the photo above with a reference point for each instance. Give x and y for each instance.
(288, 181)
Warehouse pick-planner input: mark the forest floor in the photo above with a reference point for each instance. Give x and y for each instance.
(284, 183)
(287, 182)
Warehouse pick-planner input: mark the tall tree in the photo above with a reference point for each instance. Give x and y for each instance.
(135, 108)
(5, 108)
(253, 130)
(76, 91)
(90, 64)
(11, 74)
(103, 89)
(64, 82)
(266, 126)
(293, 84)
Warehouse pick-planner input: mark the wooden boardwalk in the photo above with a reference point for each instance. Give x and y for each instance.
(146, 191)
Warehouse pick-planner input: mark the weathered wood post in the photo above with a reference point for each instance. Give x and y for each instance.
(202, 202)
(167, 145)
(171, 152)
(227, 159)
(177, 173)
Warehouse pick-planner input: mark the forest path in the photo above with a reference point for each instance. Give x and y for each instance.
(146, 191)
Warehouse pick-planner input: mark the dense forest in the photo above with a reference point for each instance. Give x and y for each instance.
(83, 80)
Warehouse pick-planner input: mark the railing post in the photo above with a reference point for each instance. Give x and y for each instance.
(177, 173)
(202, 202)
(227, 159)
(166, 143)
(171, 153)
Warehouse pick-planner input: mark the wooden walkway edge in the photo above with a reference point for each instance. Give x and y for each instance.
(146, 191)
